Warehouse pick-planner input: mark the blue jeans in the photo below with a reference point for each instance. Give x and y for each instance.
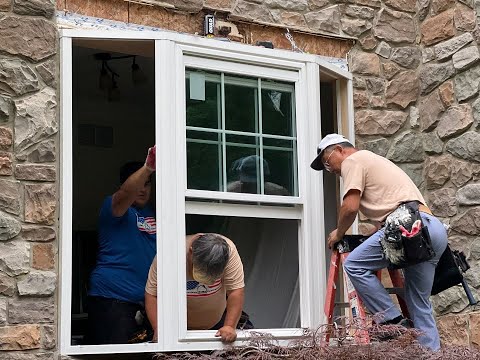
(363, 262)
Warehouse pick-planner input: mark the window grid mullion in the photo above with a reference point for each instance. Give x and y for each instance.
(295, 144)
(219, 135)
(257, 149)
(243, 133)
(224, 136)
(229, 143)
(260, 131)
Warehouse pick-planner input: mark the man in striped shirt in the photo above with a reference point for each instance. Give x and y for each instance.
(215, 286)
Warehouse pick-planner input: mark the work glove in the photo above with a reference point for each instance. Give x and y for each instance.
(150, 161)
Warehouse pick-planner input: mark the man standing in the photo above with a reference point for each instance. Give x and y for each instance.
(376, 187)
(127, 246)
(215, 286)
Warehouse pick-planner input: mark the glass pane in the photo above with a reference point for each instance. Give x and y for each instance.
(245, 140)
(204, 113)
(279, 154)
(204, 159)
(268, 249)
(243, 170)
(241, 107)
(277, 110)
(243, 166)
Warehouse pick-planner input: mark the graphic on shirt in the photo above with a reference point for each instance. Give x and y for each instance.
(196, 289)
(147, 224)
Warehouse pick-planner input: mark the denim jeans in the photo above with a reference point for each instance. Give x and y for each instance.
(363, 262)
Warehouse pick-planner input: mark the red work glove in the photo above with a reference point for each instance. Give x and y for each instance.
(416, 227)
(150, 161)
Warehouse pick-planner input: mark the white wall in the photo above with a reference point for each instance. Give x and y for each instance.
(132, 119)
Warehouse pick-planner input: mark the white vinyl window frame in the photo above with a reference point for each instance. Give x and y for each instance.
(173, 53)
(258, 85)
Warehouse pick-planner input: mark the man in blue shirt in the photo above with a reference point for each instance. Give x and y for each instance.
(127, 246)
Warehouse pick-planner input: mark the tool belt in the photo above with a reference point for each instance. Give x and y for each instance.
(407, 241)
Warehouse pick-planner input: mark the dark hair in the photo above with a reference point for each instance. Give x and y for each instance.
(210, 254)
(128, 169)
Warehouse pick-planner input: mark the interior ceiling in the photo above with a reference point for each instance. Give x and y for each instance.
(144, 48)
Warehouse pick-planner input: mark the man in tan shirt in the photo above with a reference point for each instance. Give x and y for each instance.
(215, 286)
(376, 187)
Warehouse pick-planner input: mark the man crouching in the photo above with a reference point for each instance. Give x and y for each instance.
(215, 286)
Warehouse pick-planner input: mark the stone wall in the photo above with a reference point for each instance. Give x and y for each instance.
(28, 175)
(231, 21)
(416, 82)
(416, 75)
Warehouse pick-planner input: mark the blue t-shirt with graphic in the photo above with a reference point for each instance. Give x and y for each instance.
(127, 246)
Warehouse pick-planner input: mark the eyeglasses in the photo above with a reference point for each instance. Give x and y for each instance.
(326, 164)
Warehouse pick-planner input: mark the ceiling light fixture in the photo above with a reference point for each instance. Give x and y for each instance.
(107, 78)
(138, 76)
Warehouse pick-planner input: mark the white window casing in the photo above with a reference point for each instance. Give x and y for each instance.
(174, 53)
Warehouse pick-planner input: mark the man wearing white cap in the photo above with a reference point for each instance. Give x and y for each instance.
(383, 193)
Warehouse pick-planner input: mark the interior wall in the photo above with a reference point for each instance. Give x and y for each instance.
(132, 119)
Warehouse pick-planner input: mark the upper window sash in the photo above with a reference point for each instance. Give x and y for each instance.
(238, 129)
(239, 68)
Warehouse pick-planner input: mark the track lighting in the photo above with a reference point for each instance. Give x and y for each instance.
(107, 81)
(104, 80)
(138, 76)
(114, 92)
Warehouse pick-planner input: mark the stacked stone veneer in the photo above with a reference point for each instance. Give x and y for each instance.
(416, 83)
(417, 76)
(28, 179)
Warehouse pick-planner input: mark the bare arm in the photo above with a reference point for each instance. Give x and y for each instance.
(348, 211)
(125, 196)
(234, 307)
(151, 309)
(234, 311)
(346, 217)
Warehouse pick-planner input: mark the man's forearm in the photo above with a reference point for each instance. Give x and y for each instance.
(151, 310)
(345, 219)
(127, 193)
(234, 307)
(136, 181)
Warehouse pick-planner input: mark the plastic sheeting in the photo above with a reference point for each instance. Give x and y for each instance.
(269, 252)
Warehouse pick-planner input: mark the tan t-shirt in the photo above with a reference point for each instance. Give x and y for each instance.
(206, 303)
(382, 184)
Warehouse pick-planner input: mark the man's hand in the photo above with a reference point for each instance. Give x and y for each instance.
(333, 238)
(150, 161)
(227, 333)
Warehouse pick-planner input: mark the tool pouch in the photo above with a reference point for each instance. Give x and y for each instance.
(406, 241)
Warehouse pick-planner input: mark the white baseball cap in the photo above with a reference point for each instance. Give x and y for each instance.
(329, 140)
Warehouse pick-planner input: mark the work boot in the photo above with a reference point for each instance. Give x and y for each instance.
(390, 329)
